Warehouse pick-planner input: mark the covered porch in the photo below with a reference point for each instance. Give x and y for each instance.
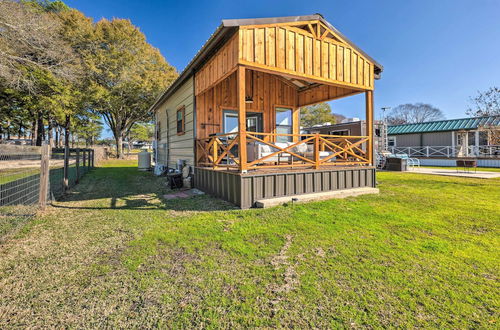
(249, 147)
(263, 131)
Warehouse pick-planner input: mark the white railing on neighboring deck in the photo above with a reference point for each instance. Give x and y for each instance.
(487, 151)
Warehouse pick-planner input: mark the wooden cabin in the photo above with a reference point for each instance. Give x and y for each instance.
(233, 114)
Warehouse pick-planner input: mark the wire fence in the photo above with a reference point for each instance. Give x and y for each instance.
(30, 177)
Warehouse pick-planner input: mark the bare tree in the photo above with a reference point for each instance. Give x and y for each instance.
(414, 113)
(486, 103)
(30, 44)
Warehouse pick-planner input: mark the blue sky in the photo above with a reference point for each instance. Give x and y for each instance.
(433, 51)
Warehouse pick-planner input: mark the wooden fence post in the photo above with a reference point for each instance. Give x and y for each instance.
(92, 157)
(65, 182)
(85, 161)
(78, 165)
(44, 177)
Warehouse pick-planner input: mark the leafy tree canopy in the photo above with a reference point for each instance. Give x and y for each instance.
(142, 132)
(68, 69)
(126, 75)
(316, 114)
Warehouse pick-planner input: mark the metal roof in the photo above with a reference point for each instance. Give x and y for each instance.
(226, 30)
(444, 125)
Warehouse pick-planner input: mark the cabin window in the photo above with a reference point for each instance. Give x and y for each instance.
(181, 120)
(344, 132)
(391, 141)
(471, 138)
(483, 138)
(253, 120)
(230, 121)
(283, 124)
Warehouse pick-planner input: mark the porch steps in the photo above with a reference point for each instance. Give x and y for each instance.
(270, 202)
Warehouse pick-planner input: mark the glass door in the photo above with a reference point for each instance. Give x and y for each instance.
(283, 124)
(252, 123)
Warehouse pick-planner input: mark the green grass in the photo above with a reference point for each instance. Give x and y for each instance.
(484, 169)
(423, 253)
(9, 175)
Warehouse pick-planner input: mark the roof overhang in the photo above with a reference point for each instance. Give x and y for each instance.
(229, 27)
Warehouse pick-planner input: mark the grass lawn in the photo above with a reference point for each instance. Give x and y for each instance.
(114, 254)
(9, 175)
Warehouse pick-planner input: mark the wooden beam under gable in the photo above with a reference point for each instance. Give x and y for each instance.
(309, 51)
(311, 29)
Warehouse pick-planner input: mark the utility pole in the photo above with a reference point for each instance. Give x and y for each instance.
(384, 128)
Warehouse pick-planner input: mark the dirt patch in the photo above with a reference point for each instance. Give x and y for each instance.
(320, 252)
(281, 260)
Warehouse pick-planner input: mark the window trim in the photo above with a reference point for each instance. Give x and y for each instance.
(181, 109)
(389, 138)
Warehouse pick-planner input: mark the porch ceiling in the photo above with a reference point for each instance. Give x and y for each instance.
(311, 92)
(301, 84)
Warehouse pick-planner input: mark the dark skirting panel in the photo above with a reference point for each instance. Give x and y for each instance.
(244, 189)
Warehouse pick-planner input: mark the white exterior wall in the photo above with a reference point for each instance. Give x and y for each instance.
(181, 146)
(453, 162)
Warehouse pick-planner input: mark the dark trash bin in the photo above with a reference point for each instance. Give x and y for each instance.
(175, 180)
(396, 164)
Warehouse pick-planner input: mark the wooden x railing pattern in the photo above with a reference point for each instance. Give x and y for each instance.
(217, 151)
(306, 150)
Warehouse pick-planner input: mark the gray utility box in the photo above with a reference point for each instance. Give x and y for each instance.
(396, 164)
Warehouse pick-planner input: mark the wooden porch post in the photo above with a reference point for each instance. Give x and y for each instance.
(296, 124)
(369, 125)
(242, 118)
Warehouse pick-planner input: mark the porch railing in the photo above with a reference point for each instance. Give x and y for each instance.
(297, 150)
(487, 151)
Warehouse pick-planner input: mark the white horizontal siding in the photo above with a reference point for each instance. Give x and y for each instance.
(453, 162)
(181, 146)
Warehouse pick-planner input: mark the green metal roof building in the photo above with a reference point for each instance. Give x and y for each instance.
(445, 125)
(459, 134)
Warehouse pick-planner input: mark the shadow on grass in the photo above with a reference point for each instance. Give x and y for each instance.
(129, 189)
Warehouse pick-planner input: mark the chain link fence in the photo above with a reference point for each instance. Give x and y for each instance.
(32, 176)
